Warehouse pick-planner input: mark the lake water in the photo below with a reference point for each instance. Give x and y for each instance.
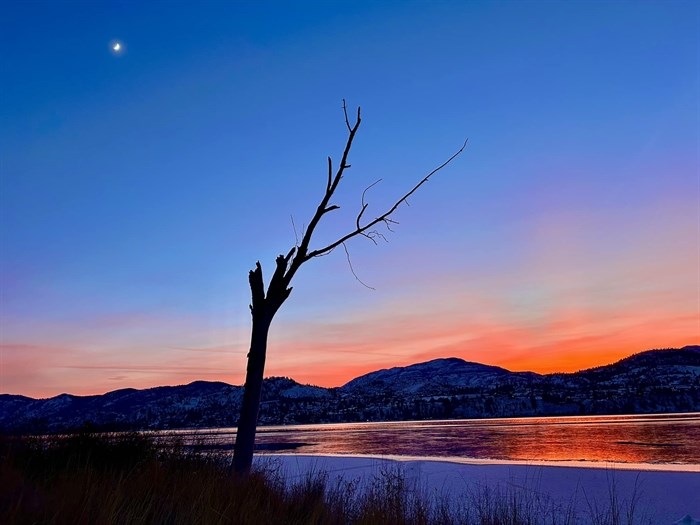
(655, 438)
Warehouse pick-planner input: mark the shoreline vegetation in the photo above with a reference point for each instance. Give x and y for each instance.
(133, 478)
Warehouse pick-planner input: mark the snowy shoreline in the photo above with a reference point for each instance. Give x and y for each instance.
(660, 492)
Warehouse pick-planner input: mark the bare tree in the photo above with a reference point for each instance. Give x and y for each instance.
(265, 304)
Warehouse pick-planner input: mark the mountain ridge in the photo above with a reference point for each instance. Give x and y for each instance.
(652, 381)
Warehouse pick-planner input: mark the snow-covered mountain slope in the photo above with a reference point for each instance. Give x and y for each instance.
(437, 377)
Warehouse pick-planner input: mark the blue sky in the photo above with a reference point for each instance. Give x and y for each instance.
(138, 189)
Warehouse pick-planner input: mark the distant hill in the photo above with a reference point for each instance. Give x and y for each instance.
(653, 381)
(439, 376)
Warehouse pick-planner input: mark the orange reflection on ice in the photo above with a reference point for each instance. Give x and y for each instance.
(657, 438)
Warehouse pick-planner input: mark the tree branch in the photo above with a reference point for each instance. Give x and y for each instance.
(347, 254)
(330, 174)
(296, 236)
(361, 230)
(345, 112)
(287, 266)
(364, 205)
(257, 288)
(301, 255)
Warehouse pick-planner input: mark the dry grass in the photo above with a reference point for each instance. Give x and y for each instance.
(128, 478)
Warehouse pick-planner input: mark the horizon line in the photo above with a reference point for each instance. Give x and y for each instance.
(684, 347)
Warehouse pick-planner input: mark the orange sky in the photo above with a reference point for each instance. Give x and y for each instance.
(330, 352)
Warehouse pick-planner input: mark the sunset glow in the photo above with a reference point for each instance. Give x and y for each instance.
(136, 193)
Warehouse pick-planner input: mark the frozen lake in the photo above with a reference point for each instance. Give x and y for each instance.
(652, 438)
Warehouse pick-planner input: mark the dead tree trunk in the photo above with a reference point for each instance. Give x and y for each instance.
(245, 435)
(264, 305)
(263, 309)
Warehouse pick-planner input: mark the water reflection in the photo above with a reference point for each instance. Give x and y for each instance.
(658, 438)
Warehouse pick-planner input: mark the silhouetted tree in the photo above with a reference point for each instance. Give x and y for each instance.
(265, 304)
